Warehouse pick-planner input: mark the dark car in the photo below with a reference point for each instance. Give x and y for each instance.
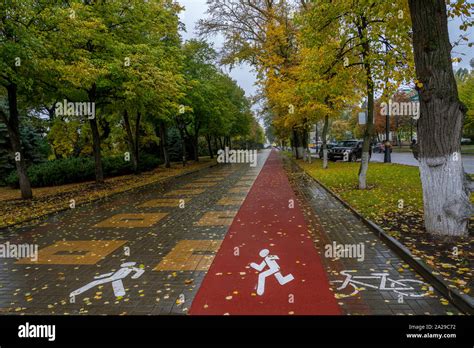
(348, 150)
(329, 146)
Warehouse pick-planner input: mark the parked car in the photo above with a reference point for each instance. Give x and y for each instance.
(348, 149)
(329, 146)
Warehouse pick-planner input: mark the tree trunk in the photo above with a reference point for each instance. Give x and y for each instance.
(447, 208)
(307, 153)
(194, 142)
(364, 165)
(316, 140)
(196, 146)
(183, 145)
(137, 141)
(220, 142)
(369, 126)
(298, 149)
(325, 142)
(131, 143)
(303, 143)
(300, 146)
(13, 127)
(99, 172)
(293, 143)
(164, 144)
(209, 146)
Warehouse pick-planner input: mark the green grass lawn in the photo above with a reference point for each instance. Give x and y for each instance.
(389, 185)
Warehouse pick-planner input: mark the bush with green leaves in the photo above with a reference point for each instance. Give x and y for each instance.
(80, 169)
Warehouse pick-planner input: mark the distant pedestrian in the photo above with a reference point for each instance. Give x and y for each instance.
(415, 148)
(388, 145)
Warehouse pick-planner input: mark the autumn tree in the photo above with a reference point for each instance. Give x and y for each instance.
(326, 86)
(373, 39)
(446, 191)
(261, 33)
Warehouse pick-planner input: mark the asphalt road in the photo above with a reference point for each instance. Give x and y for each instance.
(408, 159)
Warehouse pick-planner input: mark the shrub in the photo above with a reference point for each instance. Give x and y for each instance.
(73, 170)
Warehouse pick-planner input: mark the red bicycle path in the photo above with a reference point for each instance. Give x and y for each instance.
(266, 220)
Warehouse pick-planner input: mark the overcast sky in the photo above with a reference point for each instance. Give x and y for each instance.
(195, 10)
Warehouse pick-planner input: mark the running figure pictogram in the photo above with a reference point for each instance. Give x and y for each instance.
(114, 278)
(273, 269)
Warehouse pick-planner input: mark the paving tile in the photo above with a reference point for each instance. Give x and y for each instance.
(164, 202)
(75, 252)
(217, 218)
(184, 193)
(132, 220)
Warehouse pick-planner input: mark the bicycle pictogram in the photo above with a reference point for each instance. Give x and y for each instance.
(404, 287)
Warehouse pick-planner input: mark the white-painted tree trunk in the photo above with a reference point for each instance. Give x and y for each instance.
(325, 146)
(446, 203)
(364, 166)
(325, 158)
(300, 150)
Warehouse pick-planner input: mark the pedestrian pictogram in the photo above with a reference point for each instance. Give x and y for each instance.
(273, 269)
(113, 277)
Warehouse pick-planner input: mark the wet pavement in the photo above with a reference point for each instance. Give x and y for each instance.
(368, 278)
(147, 251)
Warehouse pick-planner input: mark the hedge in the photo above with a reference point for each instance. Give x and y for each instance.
(73, 170)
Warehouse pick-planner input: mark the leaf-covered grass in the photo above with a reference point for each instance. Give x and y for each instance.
(391, 186)
(48, 200)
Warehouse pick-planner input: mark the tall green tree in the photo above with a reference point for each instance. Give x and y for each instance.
(23, 56)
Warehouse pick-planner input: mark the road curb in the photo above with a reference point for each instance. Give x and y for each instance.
(81, 204)
(462, 301)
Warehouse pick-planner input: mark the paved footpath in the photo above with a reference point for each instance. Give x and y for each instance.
(384, 283)
(150, 251)
(267, 263)
(140, 252)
